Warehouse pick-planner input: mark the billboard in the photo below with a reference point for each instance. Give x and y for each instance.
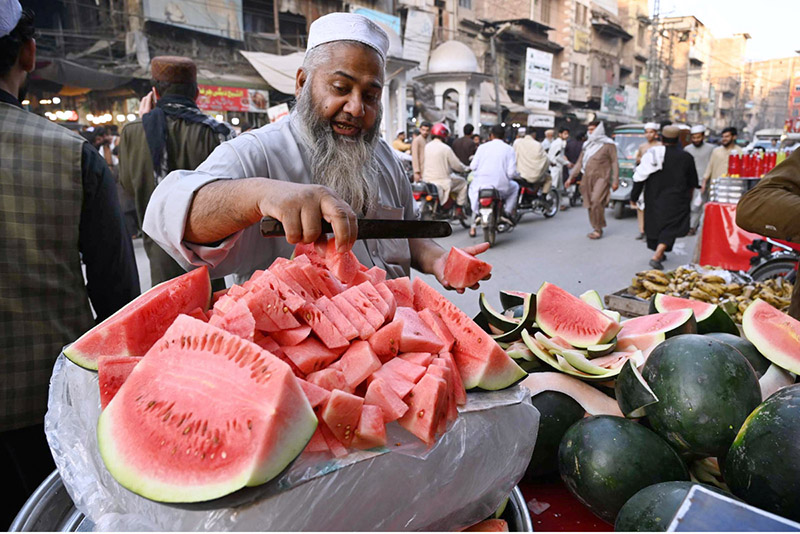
(217, 17)
(620, 100)
(538, 67)
(417, 41)
(559, 91)
(219, 98)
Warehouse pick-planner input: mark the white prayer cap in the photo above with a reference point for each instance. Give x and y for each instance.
(522, 131)
(400, 132)
(652, 126)
(10, 13)
(347, 27)
(698, 128)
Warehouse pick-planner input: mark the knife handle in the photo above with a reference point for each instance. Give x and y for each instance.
(274, 228)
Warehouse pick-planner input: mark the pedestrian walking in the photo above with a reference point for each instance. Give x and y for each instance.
(651, 130)
(600, 175)
(464, 146)
(418, 150)
(59, 209)
(701, 152)
(718, 166)
(670, 177)
(531, 160)
(172, 133)
(548, 139)
(557, 159)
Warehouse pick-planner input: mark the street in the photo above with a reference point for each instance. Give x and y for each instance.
(545, 250)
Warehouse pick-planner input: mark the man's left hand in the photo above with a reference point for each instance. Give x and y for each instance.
(615, 186)
(438, 266)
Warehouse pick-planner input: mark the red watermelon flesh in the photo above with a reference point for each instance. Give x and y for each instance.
(435, 323)
(236, 318)
(338, 318)
(356, 318)
(427, 403)
(309, 250)
(489, 525)
(358, 363)
(316, 395)
(387, 296)
(292, 302)
(267, 343)
(237, 291)
(380, 393)
(112, 371)
(292, 336)
(312, 274)
(458, 386)
(558, 313)
(376, 275)
(371, 431)
(217, 294)
(331, 282)
(343, 265)
(420, 358)
(775, 334)
(266, 306)
(463, 270)
(281, 272)
(341, 414)
(416, 336)
(138, 325)
(310, 355)
(442, 370)
(360, 278)
(317, 443)
(295, 270)
(329, 379)
(375, 298)
(409, 371)
(398, 383)
(403, 292)
(334, 445)
(198, 314)
(362, 304)
(386, 341)
(480, 360)
(171, 403)
(323, 327)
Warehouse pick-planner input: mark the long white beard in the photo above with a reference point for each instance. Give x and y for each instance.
(346, 165)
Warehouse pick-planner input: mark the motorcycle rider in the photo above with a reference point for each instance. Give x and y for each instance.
(558, 158)
(440, 161)
(494, 165)
(531, 159)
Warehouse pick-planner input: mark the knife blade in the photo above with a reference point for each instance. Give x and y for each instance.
(373, 228)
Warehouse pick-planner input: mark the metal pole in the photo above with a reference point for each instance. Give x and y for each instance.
(496, 76)
(275, 15)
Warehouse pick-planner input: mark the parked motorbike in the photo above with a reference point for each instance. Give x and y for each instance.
(432, 209)
(531, 200)
(490, 211)
(774, 259)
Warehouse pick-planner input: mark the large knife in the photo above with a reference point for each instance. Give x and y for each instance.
(373, 228)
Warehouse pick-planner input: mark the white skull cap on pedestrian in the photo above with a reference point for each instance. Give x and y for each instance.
(698, 128)
(522, 130)
(348, 27)
(10, 13)
(652, 126)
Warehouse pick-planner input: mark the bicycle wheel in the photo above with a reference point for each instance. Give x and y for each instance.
(774, 268)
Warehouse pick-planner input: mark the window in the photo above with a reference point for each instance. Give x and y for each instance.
(640, 37)
(578, 75)
(545, 11)
(465, 4)
(637, 72)
(581, 12)
(797, 100)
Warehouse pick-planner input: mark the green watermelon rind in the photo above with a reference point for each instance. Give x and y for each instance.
(786, 357)
(553, 362)
(632, 391)
(509, 299)
(525, 322)
(592, 298)
(494, 317)
(606, 329)
(714, 319)
(557, 412)
(651, 509)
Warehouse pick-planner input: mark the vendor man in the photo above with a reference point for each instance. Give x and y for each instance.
(325, 161)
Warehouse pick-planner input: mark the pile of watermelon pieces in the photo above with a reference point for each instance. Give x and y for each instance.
(365, 350)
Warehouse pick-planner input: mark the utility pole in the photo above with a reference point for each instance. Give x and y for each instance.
(495, 69)
(654, 64)
(275, 15)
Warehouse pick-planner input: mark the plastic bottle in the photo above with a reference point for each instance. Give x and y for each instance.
(734, 165)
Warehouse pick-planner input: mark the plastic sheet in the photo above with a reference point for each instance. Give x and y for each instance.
(460, 480)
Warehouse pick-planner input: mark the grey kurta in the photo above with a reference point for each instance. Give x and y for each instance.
(275, 151)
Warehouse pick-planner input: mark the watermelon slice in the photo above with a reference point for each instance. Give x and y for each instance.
(358, 363)
(291, 336)
(390, 299)
(217, 295)
(775, 334)
(334, 445)
(386, 341)
(376, 275)
(343, 265)
(317, 443)
(668, 324)
(435, 323)
(371, 431)
(398, 383)
(133, 329)
(309, 250)
(161, 438)
(361, 303)
(710, 317)
(480, 360)
(341, 415)
(112, 371)
(420, 358)
(458, 386)
(462, 270)
(444, 372)
(199, 314)
(558, 313)
(312, 275)
(316, 395)
(279, 270)
(427, 404)
(291, 301)
(400, 367)
(323, 327)
(310, 355)
(233, 316)
(337, 317)
(356, 318)
(402, 290)
(416, 336)
(329, 379)
(380, 394)
(375, 298)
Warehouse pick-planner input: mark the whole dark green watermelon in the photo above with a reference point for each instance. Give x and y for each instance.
(748, 350)
(558, 412)
(604, 460)
(763, 465)
(705, 389)
(653, 508)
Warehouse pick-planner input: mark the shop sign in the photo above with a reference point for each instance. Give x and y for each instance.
(541, 120)
(538, 68)
(679, 109)
(642, 99)
(559, 91)
(222, 18)
(581, 41)
(417, 39)
(219, 98)
(614, 100)
(278, 112)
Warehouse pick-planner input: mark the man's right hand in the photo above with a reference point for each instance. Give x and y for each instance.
(147, 104)
(301, 208)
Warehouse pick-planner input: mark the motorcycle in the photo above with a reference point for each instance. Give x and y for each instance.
(432, 209)
(490, 211)
(531, 200)
(773, 259)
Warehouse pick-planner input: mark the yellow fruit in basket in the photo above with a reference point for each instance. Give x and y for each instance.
(713, 279)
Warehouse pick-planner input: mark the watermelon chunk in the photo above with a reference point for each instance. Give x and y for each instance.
(427, 404)
(365, 330)
(233, 316)
(291, 336)
(435, 323)
(344, 266)
(416, 336)
(375, 298)
(329, 379)
(316, 395)
(292, 302)
(317, 442)
(112, 371)
(361, 303)
(310, 355)
(323, 327)
(386, 341)
(376, 275)
(198, 314)
(420, 358)
(358, 363)
(402, 290)
(371, 431)
(309, 250)
(133, 329)
(341, 415)
(558, 313)
(400, 367)
(399, 384)
(338, 318)
(462, 270)
(296, 271)
(388, 296)
(237, 440)
(775, 334)
(380, 394)
(279, 269)
(458, 386)
(480, 360)
(334, 445)
(268, 308)
(442, 370)
(217, 295)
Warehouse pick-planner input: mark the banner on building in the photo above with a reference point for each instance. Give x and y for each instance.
(642, 100)
(538, 69)
(219, 98)
(278, 112)
(541, 120)
(217, 17)
(581, 41)
(678, 109)
(417, 39)
(620, 100)
(385, 19)
(559, 91)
